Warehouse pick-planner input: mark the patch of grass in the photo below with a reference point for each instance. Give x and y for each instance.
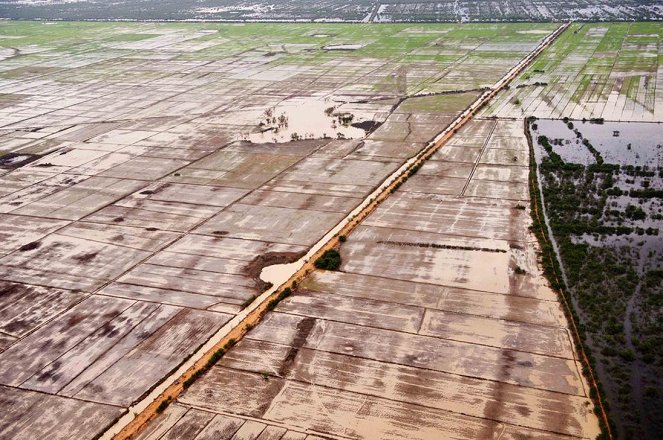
(130, 37)
(448, 102)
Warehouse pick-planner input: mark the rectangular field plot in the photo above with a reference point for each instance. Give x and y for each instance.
(149, 171)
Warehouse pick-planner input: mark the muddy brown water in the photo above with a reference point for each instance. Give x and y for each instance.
(307, 118)
(626, 144)
(622, 143)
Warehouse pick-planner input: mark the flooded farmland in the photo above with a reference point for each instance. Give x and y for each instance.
(310, 118)
(143, 190)
(594, 71)
(161, 182)
(602, 187)
(630, 144)
(438, 323)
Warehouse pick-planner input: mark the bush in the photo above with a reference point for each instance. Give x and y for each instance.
(635, 213)
(163, 405)
(627, 355)
(651, 392)
(216, 356)
(329, 260)
(281, 296)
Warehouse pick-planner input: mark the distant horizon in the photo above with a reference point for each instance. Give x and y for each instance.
(334, 11)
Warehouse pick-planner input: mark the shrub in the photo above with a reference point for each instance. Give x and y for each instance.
(284, 294)
(651, 391)
(329, 260)
(627, 355)
(163, 405)
(218, 354)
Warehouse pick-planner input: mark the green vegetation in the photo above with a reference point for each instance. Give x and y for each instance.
(553, 273)
(614, 285)
(216, 356)
(284, 43)
(130, 37)
(433, 103)
(329, 260)
(520, 271)
(280, 297)
(585, 65)
(163, 405)
(415, 169)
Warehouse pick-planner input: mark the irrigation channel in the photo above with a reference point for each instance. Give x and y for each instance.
(283, 275)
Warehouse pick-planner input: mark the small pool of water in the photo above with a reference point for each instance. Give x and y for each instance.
(306, 118)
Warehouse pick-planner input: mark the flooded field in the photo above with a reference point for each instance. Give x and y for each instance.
(142, 191)
(630, 144)
(602, 186)
(597, 70)
(310, 118)
(438, 323)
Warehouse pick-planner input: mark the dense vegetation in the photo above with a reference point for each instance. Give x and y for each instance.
(607, 238)
(329, 260)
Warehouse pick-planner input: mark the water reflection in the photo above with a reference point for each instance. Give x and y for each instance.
(306, 118)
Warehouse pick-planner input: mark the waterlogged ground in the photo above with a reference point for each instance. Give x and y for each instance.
(311, 118)
(623, 143)
(596, 70)
(603, 192)
(141, 192)
(438, 324)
